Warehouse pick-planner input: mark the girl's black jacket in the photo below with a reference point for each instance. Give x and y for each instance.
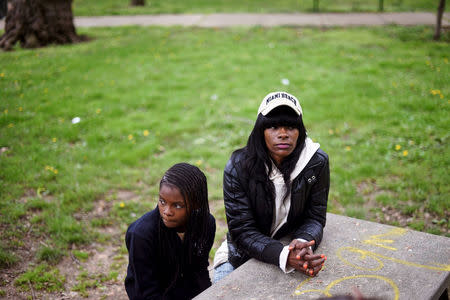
(147, 274)
(249, 209)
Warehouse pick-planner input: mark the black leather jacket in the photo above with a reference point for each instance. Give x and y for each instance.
(249, 210)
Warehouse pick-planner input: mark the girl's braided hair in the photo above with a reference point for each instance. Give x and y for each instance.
(192, 184)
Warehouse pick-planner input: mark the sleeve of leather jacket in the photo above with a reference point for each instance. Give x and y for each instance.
(316, 206)
(241, 222)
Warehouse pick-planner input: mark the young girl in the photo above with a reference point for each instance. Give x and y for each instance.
(169, 246)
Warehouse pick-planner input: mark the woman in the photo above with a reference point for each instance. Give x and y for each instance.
(275, 187)
(169, 246)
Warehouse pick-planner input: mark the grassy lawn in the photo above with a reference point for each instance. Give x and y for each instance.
(122, 7)
(377, 100)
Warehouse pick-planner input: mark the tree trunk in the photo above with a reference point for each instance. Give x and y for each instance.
(38, 23)
(3, 8)
(137, 2)
(441, 8)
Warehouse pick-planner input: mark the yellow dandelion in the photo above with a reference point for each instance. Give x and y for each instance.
(99, 110)
(441, 96)
(122, 205)
(5, 111)
(146, 132)
(10, 125)
(405, 153)
(2, 74)
(199, 162)
(398, 147)
(20, 108)
(55, 171)
(54, 140)
(348, 148)
(130, 137)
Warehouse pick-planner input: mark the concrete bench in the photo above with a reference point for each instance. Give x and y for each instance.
(380, 260)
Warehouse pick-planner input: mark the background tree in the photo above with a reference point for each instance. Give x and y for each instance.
(3, 8)
(38, 23)
(137, 2)
(441, 8)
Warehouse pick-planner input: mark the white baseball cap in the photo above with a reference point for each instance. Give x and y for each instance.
(276, 99)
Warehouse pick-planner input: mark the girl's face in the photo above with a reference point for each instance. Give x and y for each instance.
(280, 141)
(172, 207)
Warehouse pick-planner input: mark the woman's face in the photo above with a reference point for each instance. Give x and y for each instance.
(172, 207)
(280, 141)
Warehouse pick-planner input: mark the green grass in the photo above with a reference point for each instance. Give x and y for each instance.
(49, 254)
(83, 256)
(151, 97)
(42, 277)
(86, 281)
(122, 7)
(7, 259)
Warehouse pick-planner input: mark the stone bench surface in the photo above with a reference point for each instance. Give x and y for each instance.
(379, 260)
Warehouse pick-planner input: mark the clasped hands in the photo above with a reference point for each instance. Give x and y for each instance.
(302, 258)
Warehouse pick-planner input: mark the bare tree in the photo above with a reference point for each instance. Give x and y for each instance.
(38, 23)
(440, 12)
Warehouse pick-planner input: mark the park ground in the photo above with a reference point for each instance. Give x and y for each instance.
(87, 130)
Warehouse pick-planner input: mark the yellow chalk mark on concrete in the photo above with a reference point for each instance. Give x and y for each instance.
(379, 241)
(302, 284)
(327, 293)
(364, 254)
